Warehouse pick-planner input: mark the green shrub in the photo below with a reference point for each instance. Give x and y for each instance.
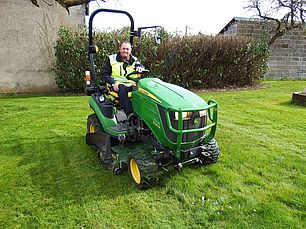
(203, 61)
(70, 52)
(194, 61)
(72, 59)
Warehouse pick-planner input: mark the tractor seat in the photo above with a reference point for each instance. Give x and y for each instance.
(115, 94)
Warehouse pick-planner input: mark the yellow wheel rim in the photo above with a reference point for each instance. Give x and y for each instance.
(91, 128)
(135, 171)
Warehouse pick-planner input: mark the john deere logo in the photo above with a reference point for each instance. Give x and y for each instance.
(195, 121)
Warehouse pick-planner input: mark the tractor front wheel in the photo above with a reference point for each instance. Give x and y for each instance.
(212, 152)
(142, 169)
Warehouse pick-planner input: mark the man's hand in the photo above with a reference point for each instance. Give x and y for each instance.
(116, 86)
(139, 71)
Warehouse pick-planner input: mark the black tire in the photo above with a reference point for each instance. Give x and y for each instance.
(212, 151)
(93, 124)
(142, 169)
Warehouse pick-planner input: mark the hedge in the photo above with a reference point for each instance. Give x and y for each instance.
(220, 61)
(194, 61)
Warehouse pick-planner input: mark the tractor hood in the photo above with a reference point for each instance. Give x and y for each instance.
(170, 95)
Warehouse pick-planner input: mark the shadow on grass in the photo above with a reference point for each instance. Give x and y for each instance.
(42, 94)
(290, 104)
(66, 169)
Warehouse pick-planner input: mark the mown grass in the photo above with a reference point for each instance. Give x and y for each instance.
(49, 177)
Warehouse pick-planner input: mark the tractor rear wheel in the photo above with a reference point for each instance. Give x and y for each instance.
(93, 124)
(142, 169)
(212, 152)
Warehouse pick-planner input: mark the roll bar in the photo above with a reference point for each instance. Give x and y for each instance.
(92, 49)
(110, 11)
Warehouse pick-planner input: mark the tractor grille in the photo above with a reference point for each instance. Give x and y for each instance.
(187, 125)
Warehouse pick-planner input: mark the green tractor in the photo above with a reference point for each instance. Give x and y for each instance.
(170, 126)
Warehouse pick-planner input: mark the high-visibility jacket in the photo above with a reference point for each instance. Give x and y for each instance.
(121, 69)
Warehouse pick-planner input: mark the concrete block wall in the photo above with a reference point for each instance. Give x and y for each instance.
(288, 57)
(288, 53)
(27, 39)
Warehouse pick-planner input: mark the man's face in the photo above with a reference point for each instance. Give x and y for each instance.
(125, 51)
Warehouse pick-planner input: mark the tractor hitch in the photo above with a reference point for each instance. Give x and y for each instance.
(191, 161)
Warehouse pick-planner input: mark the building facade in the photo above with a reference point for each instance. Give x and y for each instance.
(27, 40)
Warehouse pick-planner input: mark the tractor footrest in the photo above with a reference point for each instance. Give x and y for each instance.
(122, 127)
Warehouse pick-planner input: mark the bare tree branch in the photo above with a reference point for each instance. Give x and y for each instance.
(35, 2)
(69, 3)
(294, 14)
(49, 4)
(66, 3)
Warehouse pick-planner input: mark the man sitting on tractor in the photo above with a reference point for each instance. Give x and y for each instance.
(115, 69)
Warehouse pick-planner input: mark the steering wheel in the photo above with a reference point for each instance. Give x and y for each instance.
(134, 73)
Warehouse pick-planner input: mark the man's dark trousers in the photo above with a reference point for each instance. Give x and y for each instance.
(124, 100)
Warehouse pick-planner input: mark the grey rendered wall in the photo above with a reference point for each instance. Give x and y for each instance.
(27, 40)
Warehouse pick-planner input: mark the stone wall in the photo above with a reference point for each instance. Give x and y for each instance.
(27, 40)
(288, 53)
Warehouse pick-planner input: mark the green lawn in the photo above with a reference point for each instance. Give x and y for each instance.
(50, 178)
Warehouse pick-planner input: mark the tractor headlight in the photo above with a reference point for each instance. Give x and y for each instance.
(185, 115)
(202, 113)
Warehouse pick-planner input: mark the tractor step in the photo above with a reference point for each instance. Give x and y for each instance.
(122, 127)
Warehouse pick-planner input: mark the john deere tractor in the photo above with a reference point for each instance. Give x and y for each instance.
(170, 126)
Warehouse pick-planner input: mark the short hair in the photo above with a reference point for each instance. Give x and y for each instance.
(125, 42)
